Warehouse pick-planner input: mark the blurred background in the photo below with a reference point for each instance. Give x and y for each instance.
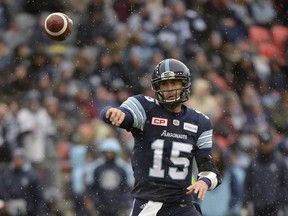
(51, 94)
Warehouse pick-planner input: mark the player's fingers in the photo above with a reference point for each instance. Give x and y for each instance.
(114, 118)
(121, 118)
(201, 194)
(113, 113)
(117, 117)
(190, 189)
(108, 113)
(196, 190)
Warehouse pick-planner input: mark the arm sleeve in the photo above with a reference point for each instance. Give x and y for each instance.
(207, 169)
(126, 124)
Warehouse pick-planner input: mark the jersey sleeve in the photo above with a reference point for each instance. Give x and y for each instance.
(126, 124)
(134, 108)
(135, 105)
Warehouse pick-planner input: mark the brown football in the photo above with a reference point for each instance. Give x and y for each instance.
(58, 26)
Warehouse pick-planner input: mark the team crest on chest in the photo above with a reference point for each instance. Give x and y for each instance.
(159, 121)
(176, 122)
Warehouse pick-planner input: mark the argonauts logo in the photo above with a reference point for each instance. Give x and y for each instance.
(174, 135)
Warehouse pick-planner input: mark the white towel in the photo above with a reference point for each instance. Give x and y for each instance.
(151, 209)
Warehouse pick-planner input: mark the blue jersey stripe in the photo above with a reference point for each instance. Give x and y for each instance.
(205, 139)
(167, 68)
(137, 110)
(205, 145)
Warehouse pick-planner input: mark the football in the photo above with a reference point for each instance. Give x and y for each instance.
(58, 26)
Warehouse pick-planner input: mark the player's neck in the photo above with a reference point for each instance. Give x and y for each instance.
(177, 109)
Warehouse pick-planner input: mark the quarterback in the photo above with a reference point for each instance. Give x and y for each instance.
(167, 136)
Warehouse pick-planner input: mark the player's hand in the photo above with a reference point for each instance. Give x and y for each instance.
(199, 187)
(116, 116)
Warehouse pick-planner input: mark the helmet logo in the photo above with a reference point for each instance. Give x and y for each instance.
(167, 75)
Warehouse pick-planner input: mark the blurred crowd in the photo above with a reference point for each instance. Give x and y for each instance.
(51, 94)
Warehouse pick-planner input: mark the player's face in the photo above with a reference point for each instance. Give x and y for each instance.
(18, 162)
(171, 89)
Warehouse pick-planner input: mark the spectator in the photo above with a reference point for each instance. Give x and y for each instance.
(65, 92)
(202, 99)
(236, 175)
(134, 70)
(23, 187)
(8, 133)
(18, 81)
(241, 11)
(112, 181)
(258, 118)
(233, 106)
(244, 72)
(5, 56)
(94, 28)
(281, 9)
(84, 103)
(77, 159)
(166, 36)
(44, 86)
(231, 120)
(142, 22)
(22, 54)
(106, 71)
(278, 78)
(40, 63)
(232, 29)
(262, 12)
(124, 9)
(3, 196)
(39, 37)
(188, 24)
(215, 53)
(265, 169)
(5, 16)
(279, 114)
(36, 7)
(102, 97)
(35, 128)
(217, 203)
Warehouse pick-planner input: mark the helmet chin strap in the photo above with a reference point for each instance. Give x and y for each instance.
(170, 105)
(171, 101)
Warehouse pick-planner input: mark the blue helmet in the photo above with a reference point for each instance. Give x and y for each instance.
(171, 69)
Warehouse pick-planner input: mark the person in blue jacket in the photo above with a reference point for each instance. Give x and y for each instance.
(265, 185)
(111, 183)
(23, 187)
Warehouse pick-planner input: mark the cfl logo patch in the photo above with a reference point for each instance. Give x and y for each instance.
(159, 121)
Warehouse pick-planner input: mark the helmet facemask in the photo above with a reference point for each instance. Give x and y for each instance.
(179, 98)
